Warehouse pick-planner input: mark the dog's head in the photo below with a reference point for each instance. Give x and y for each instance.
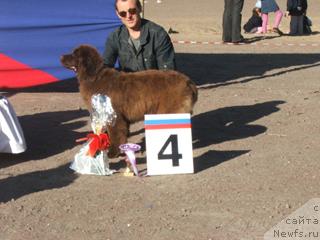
(85, 60)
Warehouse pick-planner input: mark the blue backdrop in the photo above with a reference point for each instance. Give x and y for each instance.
(35, 33)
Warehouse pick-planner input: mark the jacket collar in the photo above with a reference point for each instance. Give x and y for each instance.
(144, 31)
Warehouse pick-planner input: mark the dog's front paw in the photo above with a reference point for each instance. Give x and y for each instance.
(113, 152)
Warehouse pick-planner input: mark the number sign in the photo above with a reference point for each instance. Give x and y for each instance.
(168, 144)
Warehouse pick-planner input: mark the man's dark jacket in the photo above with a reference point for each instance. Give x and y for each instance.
(155, 51)
(297, 7)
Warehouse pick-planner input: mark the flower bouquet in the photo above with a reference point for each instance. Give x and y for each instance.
(92, 157)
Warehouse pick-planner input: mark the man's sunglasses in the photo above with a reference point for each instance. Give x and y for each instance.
(132, 11)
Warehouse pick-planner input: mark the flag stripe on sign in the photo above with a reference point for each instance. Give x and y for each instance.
(167, 126)
(166, 121)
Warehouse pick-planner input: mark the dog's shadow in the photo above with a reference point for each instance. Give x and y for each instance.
(221, 125)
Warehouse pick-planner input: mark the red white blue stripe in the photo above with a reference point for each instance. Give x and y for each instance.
(167, 123)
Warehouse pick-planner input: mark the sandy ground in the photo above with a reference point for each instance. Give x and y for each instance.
(255, 133)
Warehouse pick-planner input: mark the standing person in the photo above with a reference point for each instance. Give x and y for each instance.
(138, 44)
(268, 6)
(231, 23)
(296, 9)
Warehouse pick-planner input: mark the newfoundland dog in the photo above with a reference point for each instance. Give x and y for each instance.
(132, 94)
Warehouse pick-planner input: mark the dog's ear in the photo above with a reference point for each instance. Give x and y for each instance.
(89, 60)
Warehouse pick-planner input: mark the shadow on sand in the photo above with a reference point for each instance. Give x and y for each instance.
(47, 134)
(212, 70)
(14, 187)
(226, 124)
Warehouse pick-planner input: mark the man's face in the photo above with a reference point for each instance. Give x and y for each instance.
(129, 14)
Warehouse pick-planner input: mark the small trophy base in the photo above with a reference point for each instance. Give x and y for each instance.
(128, 172)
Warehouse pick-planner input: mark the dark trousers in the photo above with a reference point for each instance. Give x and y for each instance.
(296, 25)
(232, 20)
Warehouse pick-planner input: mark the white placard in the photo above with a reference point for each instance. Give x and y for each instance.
(168, 144)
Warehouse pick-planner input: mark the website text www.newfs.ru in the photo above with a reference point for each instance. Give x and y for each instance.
(296, 234)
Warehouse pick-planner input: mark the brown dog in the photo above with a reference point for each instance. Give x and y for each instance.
(132, 94)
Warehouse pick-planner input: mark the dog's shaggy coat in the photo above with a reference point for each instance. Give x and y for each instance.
(132, 94)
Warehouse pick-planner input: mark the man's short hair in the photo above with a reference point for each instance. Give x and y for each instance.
(138, 3)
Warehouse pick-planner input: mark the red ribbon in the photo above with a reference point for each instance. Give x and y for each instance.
(98, 142)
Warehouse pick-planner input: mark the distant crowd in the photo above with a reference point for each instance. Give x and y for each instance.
(300, 23)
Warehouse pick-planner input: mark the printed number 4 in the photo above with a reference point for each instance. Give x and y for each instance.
(175, 155)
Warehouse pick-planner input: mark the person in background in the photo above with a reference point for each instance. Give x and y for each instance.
(138, 44)
(231, 23)
(307, 24)
(296, 9)
(254, 24)
(268, 6)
